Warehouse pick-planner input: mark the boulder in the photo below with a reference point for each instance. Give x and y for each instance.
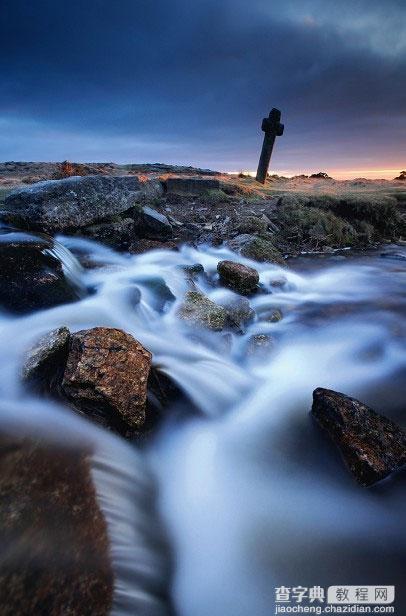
(238, 277)
(106, 376)
(55, 548)
(150, 224)
(46, 360)
(30, 276)
(372, 445)
(75, 202)
(191, 185)
(197, 309)
(256, 248)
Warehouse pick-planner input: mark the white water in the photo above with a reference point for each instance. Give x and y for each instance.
(251, 494)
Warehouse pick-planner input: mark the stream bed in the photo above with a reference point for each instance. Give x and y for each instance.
(251, 494)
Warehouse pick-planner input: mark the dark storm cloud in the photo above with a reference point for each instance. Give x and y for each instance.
(179, 75)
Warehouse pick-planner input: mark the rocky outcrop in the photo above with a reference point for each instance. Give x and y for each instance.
(107, 373)
(75, 202)
(238, 277)
(30, 276)
(55, 549)
(199, 310)
(372, 446)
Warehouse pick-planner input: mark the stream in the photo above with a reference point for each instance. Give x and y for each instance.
(251, 494)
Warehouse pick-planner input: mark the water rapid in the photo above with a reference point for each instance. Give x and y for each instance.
(250, 494)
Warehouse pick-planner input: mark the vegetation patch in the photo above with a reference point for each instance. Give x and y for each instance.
(343, 219)
(314, 228)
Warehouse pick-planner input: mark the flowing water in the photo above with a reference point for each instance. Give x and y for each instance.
(251, 495)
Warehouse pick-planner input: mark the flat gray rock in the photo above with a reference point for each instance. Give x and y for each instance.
(191, 186)
(75, 202)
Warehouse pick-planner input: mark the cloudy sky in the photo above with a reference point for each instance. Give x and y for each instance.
(188, 82)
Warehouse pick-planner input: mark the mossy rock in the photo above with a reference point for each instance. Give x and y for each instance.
(197, 309)
(257, 248)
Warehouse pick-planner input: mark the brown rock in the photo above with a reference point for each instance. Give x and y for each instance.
(238, 277)
(372, 446)
(55, 550)
(107, 372)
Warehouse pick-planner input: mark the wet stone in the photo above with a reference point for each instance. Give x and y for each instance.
(30, 277)
(372, 446)
(238, 277)
(107, 373)
(46, 360)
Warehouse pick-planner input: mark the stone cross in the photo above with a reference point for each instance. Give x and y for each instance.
(272, 128)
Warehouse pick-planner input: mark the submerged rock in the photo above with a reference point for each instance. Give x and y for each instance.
(372, 445)
(239, 312)
(75, 202)
(260, 345)
(30, 276)
(197, 309)
(46, 360)
(238, 277)
(106, 375)
(55, 547)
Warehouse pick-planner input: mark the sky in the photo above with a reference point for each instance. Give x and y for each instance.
(189, 81)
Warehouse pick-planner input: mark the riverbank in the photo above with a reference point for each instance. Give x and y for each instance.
(285, 217)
